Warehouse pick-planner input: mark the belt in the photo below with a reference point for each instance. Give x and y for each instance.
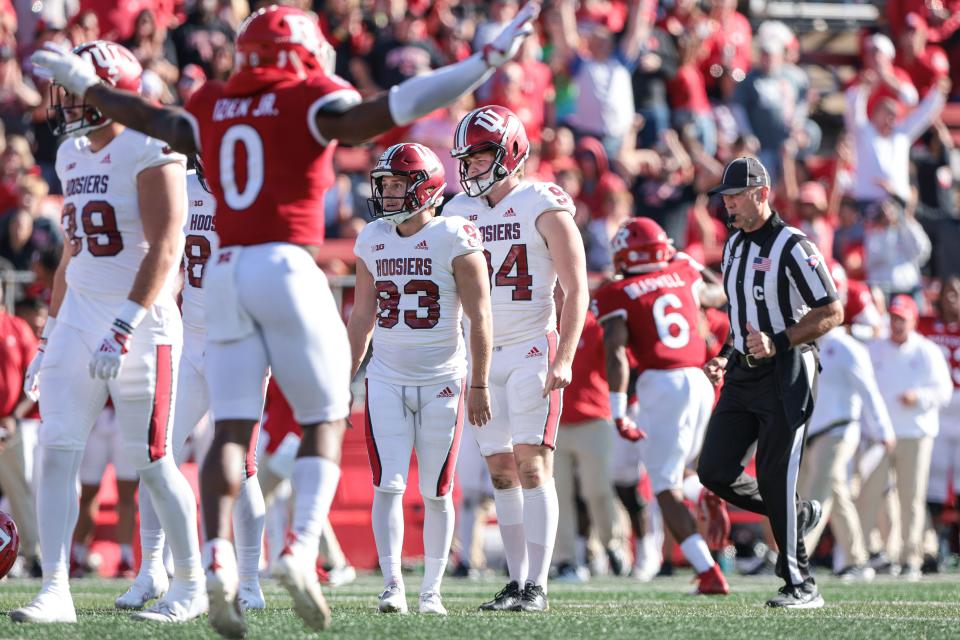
(751, 362)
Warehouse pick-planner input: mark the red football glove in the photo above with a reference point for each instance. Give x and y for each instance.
(628, 430)
(714, 510)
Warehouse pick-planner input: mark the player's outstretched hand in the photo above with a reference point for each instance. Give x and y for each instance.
(714, 369)
(478, 406)
(65, 68)
(105, 363)
(629, 430)
(505, 46)
(559, 375)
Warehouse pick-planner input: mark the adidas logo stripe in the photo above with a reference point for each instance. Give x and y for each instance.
(534, 353)
(422, 245)
(446, 393)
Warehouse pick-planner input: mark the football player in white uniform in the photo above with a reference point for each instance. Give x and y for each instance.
(530, 241)
(193, 403)
(124, 202)
(415, 273)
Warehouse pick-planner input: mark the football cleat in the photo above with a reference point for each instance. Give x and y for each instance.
(51, 605)
(184, 601)
(712, 583)
(304, 587)
(508, 599)
(225, 614)
(533, 599)
(339, 576)
(797, 597)
(250, 595)
(431, 603)
(145, 588)
(393, 600)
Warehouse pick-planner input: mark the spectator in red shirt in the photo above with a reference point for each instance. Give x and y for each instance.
(894, 82)
(18, 345)
(925, 63)
(942, 16)
(583, 456)
(688, 95)
(598, 179)
(729, 43)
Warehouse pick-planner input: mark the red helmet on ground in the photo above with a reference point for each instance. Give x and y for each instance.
(641, 245)
(283, 38)
(425, 185)
(9, 543)
(116, 66)
(491, 128)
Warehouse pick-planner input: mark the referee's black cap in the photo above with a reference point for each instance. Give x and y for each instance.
(740, 174)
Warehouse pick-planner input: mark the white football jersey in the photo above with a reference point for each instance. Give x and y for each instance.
(201, 243)
(102, 227)
(522, 274)
(417, 338)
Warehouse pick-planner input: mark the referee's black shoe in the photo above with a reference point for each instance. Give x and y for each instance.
(533, 599)
(508, 599)
(797, 596)
(808, 516)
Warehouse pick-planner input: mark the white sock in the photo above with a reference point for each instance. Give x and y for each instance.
(387, 517)
(465, 523)
(278, 519)
(58, 505)
(541, 512)
(509, 504)
(692, 488)
(151, 536)
(126, 554)
(696, 552)
(176, 506)
(314, 482)
(438, 524)
(249, 513)
(223, 551)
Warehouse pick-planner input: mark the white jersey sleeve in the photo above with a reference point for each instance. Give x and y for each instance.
(417, 337)
(102, 225)
(522, 272)
(201, 243)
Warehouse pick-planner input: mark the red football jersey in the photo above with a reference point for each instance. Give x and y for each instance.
(265, 160)
(947, 337)
(587, 397)
(662, 315)
(278, 418)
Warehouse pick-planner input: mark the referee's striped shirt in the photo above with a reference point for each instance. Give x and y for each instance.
(772, 277)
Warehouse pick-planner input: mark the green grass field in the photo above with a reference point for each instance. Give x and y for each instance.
(604, 608)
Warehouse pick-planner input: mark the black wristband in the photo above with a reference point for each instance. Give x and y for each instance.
(781, 342)
(476, 387)
(726, 351)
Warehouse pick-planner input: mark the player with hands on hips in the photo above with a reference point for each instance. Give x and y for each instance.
(415, 273)
(123, 211)
(531, 242)
(284, 106)
(654, 311)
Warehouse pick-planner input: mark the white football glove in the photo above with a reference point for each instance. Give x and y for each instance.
(31, 379)
(64, 67)
(105, 363)
(505, 46)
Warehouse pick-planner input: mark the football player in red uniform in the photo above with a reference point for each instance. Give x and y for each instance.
(268, 135)
(655, 312)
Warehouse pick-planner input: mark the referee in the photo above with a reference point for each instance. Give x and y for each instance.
(781, 299)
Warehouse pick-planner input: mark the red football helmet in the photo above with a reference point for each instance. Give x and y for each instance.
(491, 128)
(9, 543)
(641, 245)
(425, 182)
(115, 65)
(284, 38)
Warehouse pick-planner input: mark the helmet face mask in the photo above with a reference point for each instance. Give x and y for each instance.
(496, 129)
(423, 183)
(115, 65)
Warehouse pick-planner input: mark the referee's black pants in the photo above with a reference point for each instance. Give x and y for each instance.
(750, 411)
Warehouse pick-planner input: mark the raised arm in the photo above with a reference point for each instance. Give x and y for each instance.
(424, 93)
